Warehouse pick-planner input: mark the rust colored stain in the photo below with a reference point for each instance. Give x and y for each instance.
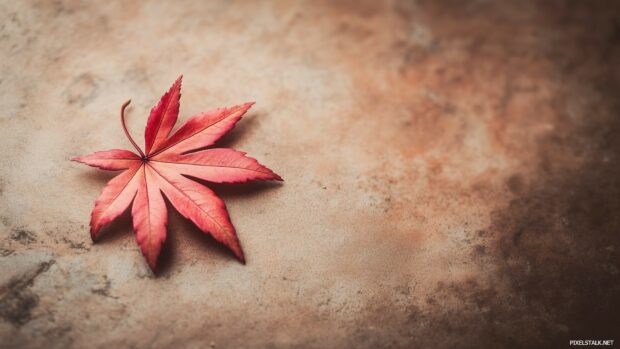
(451, 174)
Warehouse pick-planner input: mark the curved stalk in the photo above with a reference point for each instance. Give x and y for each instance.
(127, 132)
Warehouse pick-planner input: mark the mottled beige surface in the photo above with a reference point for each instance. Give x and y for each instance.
(451, 173)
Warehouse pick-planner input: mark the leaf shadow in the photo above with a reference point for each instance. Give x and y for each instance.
(246, 189)
(98, 176)
(121, 228)
(117, 230)
(195, 237)
(212, 248)
(241, 129)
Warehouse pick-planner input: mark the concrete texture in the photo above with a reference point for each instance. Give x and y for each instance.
(451, 173)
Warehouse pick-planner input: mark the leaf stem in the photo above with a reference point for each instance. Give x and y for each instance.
(127, 132)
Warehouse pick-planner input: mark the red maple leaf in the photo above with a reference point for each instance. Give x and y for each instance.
(162, 168)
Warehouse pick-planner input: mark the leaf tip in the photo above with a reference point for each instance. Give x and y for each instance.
(93, 233)
(151, 255)
(152, 265)
(235, 248)
(151, 259)
(177, 84)
(241, 258)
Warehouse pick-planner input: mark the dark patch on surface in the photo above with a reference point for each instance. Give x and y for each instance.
(17, 301)
(105, 289)
(23, 236)
(82, 90)
(515, 184)
(5, 252)
(76, 245)
(60, 336)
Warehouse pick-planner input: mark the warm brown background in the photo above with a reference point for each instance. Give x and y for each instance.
(452, 173)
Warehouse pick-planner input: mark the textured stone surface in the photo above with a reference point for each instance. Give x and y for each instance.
(452, 173)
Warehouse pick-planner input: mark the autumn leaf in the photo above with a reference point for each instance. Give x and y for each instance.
(162, 169)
